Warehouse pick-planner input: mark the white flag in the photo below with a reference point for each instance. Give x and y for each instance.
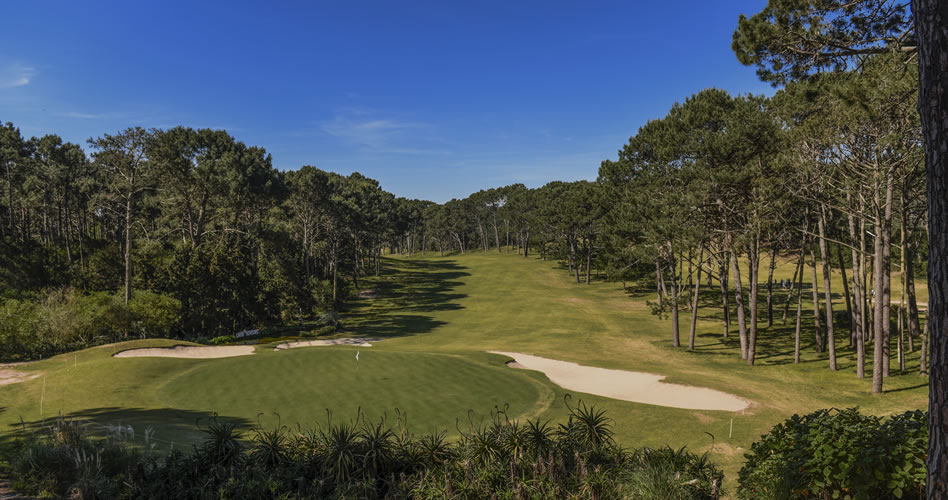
(357, 355)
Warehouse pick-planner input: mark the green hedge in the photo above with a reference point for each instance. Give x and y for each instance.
(839, 454)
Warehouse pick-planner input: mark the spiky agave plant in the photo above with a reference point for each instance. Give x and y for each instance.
(587, 428)
(434, 447)
(268, 448)
(539, 437)
(377, 447)
(222, 445)
(341, 451)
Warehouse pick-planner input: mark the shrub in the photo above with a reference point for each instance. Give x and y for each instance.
(155, 314)
(321, 331)
(62, 320)
(502, 458)
(330, 318)
(223, 339)
(839, 454)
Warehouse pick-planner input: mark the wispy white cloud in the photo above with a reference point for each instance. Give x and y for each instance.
(84, 116)
(16, 75)
(377, 134)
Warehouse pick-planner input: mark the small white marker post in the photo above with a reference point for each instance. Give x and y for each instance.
(42, 396)
(357, 365)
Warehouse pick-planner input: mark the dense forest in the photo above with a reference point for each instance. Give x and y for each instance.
(192, 233)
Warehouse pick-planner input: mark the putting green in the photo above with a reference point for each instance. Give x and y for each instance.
(299, 385)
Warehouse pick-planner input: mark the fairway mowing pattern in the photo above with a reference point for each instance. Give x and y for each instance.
(299, 385)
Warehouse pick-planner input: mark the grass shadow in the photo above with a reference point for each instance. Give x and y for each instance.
(405, 295)
(170, 426)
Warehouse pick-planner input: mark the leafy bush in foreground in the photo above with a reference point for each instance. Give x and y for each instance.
(839, 454)
(499, 458)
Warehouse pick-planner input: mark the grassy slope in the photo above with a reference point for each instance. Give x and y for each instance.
(443, 313)
(487, 301)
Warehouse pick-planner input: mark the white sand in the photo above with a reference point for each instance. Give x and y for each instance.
(10, 376)
(638, 387)
(193, 352)
(363, 342)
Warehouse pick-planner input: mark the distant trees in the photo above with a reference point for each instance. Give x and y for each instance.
(195, 217)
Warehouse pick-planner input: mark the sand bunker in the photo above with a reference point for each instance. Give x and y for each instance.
(193, 352)
(363, 342)
(638, 387)
(10, 376)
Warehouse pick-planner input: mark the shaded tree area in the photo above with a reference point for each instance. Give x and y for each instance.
(190, 225)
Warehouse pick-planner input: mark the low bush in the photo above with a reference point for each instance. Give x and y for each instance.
(495, 458)
(839, 454)
(321, 331)
(65, 319)
(222, 340)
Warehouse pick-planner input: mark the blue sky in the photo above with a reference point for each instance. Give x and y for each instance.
(434, 99)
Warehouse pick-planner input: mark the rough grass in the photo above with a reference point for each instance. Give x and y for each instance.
(440, 315)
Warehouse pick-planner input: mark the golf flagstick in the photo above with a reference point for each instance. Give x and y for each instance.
(357, 365)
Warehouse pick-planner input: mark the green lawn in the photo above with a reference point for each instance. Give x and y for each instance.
(440, 315)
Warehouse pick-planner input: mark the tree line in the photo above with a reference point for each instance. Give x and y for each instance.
(191, 222)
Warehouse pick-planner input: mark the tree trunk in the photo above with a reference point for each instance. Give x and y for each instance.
(659, 282)
(793, 286)
(816, 305)
(849, 305)
(901, 317)
(674, 296)
(797, 330)
(931, 30)
(588, 259)
(753, 271)
(723, 270)
(827, 291)
(128, 245)
(914, 328)
(674, 306)
(335, 268)
(694, 303)
(739, 303)
(878, 351)
(887, 272)
(496, 237)
(770, 286)
(859, 293)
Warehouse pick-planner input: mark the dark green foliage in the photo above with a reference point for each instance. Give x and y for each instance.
(839, 454)
(66, 319)
(320, 331)
(499, 458)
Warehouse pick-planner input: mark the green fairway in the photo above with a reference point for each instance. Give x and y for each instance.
(300, 384)
(438, 316)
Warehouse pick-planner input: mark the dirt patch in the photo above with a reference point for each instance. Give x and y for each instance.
(638, 387)
(367, 294)
(192, 352)
(10, 376)
(727, 449)
(704, 419)
(514, 364)
(361, 342)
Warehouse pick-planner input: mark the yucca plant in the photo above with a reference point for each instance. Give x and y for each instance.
(222, 446)
(341, 451)
(268, 448)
